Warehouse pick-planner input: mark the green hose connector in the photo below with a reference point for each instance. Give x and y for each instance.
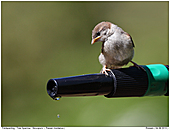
(158, 76)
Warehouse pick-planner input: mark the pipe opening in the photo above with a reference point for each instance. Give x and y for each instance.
(52, 88)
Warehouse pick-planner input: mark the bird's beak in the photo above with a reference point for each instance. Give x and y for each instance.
(95, 40)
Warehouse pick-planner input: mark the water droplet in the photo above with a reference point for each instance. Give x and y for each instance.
(57, 98)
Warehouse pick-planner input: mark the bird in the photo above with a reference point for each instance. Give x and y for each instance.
(117, 46)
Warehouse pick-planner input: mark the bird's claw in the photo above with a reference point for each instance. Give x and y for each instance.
(105, 71)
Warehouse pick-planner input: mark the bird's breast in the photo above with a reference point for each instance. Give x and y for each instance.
(116, 52)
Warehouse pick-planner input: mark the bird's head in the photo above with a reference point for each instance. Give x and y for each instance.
(101, 32)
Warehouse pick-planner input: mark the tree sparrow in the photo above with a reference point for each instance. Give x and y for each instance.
(117, 46)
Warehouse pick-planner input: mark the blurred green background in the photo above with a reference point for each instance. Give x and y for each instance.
(43, 40)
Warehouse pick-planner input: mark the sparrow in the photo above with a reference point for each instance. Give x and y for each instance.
(117, 46)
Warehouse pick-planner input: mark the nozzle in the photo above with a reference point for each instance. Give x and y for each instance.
(125, 82)
(82, 85)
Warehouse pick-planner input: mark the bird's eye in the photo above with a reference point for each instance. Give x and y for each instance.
(98, 33)
(105, 33)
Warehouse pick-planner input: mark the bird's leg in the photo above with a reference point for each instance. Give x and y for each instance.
(104, 70)
(138, 66)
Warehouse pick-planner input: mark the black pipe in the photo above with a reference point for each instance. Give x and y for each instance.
(83, 85)
(125, 82)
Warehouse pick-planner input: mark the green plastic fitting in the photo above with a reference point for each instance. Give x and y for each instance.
(158, 76)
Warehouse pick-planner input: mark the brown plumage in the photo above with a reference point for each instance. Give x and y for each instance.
(117, 45)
